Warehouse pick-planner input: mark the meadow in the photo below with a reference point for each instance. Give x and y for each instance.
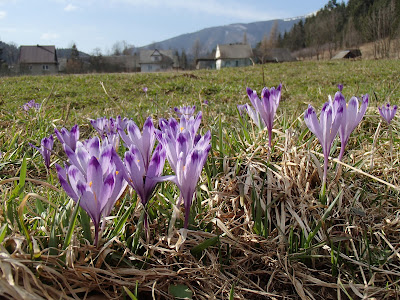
(257, 228)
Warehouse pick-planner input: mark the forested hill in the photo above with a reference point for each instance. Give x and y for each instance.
(340, 25)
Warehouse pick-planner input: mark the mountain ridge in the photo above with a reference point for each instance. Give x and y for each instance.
(208, 38)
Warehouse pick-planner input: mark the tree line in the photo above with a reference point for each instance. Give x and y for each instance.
(340, 25)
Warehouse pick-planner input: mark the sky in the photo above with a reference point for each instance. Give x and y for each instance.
(92, 24)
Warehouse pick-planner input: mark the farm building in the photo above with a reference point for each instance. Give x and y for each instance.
(233, 55)
(205, 63)
(354, 53)
(157, 60)
(37, 60)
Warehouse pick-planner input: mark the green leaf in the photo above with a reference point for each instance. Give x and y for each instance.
(196, 250)
(129, 293)
(53, 240)
(121, 222)
(320, 222)
(139, 229)
(232, 292)
(20, 187)
(71, 226)
(180, 291)
(3, 232)
(85, 223)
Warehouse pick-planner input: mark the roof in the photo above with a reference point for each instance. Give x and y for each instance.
(235, 51)
(146, 56)
(38, 54)
(348, 54)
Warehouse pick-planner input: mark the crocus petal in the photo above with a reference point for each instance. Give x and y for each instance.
(147, 139)
(107, 188)
(95, 177)
(157, 162)
(311, 120)
(62, 177)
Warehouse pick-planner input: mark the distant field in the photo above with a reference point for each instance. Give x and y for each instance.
(303, 82)
(257, 230)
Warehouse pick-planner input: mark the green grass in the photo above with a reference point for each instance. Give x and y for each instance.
(257, 228)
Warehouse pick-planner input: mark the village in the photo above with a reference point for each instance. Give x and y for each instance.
(43, 60)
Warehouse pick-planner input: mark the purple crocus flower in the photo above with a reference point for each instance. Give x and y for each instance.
(105, 126)
(188, 170)
(265, 108)
(141, 176)
(68, 137)
(387, 112)
(144, 142)
(254, 115)
(185, 111)
(142, 166)
(145, 89)
(173, 133)
(340, 87)
(93, 190)
(122, 123)
(31, 105)
(325, 130)
(352, 116)
(108, 128)
(96, 181)
(46, 145)
(91, 148)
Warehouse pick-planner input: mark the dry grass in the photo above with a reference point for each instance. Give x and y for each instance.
(346, 249)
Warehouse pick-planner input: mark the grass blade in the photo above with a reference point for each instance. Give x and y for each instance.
(71, 226)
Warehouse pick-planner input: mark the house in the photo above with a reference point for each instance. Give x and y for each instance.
(353, 53)
(157, 60)
(233, 55)
(37, 60)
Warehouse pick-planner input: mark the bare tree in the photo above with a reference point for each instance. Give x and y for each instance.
(273, 35)
(245, 38)
(267, 43)
(352, 37)
(117, 48)
(380, 29)
(196, 50)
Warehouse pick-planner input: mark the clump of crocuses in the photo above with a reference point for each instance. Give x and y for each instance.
(336, 116)
(352, 115)
(92, 178)
(31, 105)
(186, 152)
(264, 109)
(96, 176)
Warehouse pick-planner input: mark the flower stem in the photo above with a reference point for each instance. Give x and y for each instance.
(322, 195)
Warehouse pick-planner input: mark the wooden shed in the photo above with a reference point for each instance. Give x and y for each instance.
(353, 53)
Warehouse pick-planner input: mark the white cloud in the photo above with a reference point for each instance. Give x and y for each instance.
(70, 7)
(3, 14)
(49, 36)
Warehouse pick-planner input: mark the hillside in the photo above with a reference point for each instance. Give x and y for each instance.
(233, 33)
